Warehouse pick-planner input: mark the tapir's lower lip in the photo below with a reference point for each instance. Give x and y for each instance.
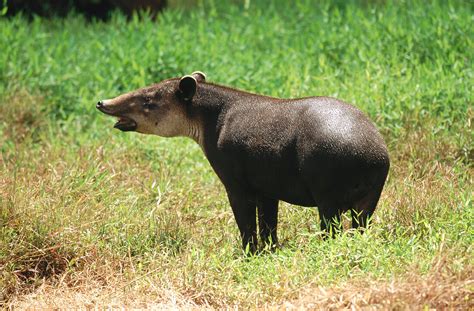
(125, 124)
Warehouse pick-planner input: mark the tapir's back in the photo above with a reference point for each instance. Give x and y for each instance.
(312, 125)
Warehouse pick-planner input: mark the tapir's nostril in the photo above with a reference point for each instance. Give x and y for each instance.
(99, 104)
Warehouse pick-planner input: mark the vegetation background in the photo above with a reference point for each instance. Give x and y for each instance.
(90, 216)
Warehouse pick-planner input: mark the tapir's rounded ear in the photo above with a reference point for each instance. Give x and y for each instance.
(199, 76)
(187, 87)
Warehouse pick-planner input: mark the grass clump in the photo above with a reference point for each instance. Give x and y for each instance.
(90, 216)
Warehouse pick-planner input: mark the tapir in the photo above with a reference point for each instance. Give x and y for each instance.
(313, 151)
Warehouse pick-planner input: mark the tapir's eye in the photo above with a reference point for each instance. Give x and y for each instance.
(149, 105)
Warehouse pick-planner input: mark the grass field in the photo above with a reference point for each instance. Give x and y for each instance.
(90, 216)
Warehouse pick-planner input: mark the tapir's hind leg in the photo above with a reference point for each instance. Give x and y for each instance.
(364, 208)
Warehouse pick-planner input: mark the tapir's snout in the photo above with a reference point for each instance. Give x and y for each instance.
(110, 108)
(103, 107)
(124, 123)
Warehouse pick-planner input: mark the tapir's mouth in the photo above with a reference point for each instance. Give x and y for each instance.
(125, 124)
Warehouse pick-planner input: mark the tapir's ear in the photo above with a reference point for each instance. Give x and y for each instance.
(199, 76)
(187, 87)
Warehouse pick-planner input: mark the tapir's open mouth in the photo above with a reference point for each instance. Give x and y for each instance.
(125, 124)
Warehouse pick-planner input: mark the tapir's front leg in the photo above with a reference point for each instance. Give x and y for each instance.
(244, 207)
(267, 221)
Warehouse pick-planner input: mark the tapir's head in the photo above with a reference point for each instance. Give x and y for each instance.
(160, 109)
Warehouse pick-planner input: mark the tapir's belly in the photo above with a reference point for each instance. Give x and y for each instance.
(279, 181)
(290, 191)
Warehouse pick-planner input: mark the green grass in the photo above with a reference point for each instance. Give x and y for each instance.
(145, 219)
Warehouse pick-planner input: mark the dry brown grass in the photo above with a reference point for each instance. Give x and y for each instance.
(440, 289)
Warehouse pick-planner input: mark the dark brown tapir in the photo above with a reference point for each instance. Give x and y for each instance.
(314, 151)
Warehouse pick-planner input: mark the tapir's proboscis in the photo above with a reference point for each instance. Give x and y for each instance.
(314, 151)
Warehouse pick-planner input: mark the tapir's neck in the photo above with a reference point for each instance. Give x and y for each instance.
(195, 130)
(216, 97)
